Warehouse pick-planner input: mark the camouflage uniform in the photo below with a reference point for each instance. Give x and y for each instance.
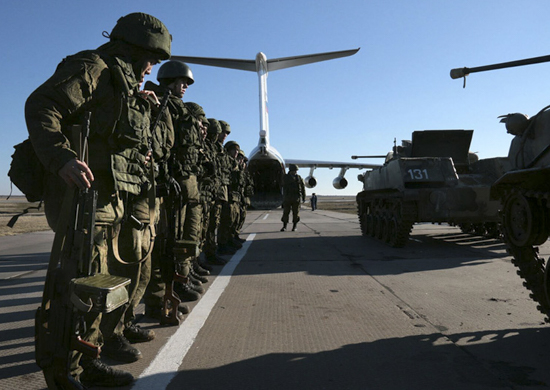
(247, 191)
(103, 82)
(294, 191)
(220, 197)
(230, 209)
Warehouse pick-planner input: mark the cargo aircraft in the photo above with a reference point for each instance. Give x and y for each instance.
(266, 165)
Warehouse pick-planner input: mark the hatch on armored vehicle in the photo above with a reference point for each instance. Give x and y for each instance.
(433, 178)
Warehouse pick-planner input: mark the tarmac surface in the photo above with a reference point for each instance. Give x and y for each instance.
(320, 308)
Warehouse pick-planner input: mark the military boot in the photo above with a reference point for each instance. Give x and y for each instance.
(198, 268)
(196, 276)
(294, 226)
(284, 227)
(97, 373)
(185, 293)
(136, 334)
(195, 285)
(118, 348)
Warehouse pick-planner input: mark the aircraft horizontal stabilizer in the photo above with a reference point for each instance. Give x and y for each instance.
(219, 62)
(288, 62)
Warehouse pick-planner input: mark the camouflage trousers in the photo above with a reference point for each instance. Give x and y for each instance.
(229, 219)
(210, 245)
(287, 207)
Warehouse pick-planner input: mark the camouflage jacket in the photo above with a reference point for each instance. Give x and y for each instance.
(294, 189)
(92, 81)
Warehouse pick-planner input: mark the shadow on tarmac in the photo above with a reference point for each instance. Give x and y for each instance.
(293, 253)
(485, 360)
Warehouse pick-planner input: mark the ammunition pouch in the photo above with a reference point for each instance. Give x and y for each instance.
(99, 293)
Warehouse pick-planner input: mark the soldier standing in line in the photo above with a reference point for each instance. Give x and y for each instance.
(230, 209)
(209, 186)
(137, 237)
(217, 133)
(104, 82)
(175, 77)
(294, 191)
(247, 190)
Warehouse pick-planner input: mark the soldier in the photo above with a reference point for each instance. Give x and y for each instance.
(216, 137)
(247, 190)
(136, 239)
(230, 209)
(175, 77)
(104, 82)
(294, 191)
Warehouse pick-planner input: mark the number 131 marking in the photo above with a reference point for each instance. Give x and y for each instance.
(418, 174)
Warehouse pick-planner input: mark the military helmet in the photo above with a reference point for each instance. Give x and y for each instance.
(144, 31)
(292, 167)
(214, 127)
(231, 144)
(195, 109)
(225, 127)
(174, 70)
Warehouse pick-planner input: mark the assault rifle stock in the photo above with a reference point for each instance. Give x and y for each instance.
(70, 289)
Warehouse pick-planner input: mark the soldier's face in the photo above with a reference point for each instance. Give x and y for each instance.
(223, 135)
(203, 130)
(179, 87)
(146, 67)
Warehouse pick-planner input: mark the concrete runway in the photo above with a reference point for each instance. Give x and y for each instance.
(320, 308)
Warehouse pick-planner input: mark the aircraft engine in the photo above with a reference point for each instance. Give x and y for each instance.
(340, 183)
(310, 182)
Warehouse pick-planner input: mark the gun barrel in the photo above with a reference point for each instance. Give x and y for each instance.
(458, 73)
(356, 157)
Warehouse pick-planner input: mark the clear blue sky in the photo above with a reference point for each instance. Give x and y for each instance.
(397, 83)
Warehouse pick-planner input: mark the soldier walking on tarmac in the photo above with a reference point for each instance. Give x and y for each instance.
(294, 191)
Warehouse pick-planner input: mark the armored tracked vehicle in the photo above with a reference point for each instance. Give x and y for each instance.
(524, 193)
(433, 178)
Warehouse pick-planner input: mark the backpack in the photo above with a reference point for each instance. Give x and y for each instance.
(27, 172)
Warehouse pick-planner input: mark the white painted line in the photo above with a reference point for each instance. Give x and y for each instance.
(168, 360)
(265, 217)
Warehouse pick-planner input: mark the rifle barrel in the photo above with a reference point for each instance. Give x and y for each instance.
(462, 72)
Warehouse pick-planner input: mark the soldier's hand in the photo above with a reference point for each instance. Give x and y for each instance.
(148, 157)
(151, 95)
(174, 186)
(77, 173)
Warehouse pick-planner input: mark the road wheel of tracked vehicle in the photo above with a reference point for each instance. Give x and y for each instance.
(392, 229)
(363, 223)
(370, 225)
(521, 220)
(380, 227)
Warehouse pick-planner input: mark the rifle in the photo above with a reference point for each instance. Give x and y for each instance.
(463, 72)
(71, 290)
